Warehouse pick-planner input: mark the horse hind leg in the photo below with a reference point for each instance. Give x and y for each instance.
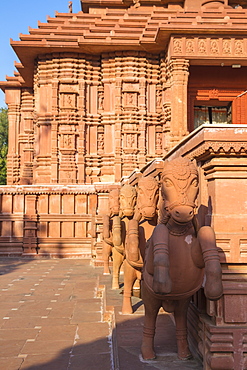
(106, 252)
(180, 315)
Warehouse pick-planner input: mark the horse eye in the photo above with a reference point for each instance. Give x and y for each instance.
(167, 183)
(194, 182)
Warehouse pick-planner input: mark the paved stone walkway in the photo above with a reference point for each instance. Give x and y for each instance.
(51, 317)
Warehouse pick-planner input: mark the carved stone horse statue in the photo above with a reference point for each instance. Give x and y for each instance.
(127, 202)
(177, 256)
(140, 230)
(108, 220)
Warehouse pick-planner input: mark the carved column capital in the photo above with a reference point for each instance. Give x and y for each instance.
(178, 69)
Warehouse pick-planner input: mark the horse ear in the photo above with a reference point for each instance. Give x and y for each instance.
(194, 162)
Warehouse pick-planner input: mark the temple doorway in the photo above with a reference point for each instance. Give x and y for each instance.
(212, 114)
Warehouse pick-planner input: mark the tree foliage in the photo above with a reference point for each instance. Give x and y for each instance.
(3, 144)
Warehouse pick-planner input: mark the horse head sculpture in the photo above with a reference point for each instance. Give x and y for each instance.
(177, 256)
(114, 202)
(127, 201)
(179, 189)
(147, 197)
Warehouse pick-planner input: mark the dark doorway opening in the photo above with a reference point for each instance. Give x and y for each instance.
(212, 114)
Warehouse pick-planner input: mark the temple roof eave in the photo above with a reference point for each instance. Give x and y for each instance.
(129, 29)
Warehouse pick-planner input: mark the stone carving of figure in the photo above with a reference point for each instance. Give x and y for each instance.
(67, 141)
(130, 99)
(190, 47)
(101, 141)
(158, 141)
(227, 47)
(177, 46)
(130, 140)
(101, 101)
(202, 46)
(214, 47)
(239, 47)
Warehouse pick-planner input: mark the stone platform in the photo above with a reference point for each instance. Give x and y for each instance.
(62, 314)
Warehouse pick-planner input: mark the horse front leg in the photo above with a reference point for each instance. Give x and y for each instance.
(162, 283)
(106, 252)
(129, 279)
(213, 285)
(180, 315)
(152, 306)
(117, 263)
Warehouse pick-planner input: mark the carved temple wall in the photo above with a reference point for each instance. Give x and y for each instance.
(96, 118)
(88, 118)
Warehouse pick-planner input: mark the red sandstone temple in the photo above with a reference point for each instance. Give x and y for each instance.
(104, 93)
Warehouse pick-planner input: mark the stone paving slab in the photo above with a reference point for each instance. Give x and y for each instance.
(50, 317)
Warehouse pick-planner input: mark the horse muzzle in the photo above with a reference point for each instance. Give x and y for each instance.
(128, 212)
(148, 212)
(182, 214)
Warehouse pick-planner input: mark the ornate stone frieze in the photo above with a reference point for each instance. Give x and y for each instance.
(208, 47)
(216, 148)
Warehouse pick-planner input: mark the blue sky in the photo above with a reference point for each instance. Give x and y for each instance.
(15, 18)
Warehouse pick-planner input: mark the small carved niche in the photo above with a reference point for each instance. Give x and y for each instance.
(68, 101)
(130, 95)
(100, 100)
(68, 97)
(177, 46)
(158, 139)
(159, 98)
(67, 141)
(130, 142)
(190, 46)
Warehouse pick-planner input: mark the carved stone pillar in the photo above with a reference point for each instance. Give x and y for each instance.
(178, 81)
(54, 152)
(13, 100)
(30, 241)
(92, 207)
(81, 133)
(27, 137)
(142, 124)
